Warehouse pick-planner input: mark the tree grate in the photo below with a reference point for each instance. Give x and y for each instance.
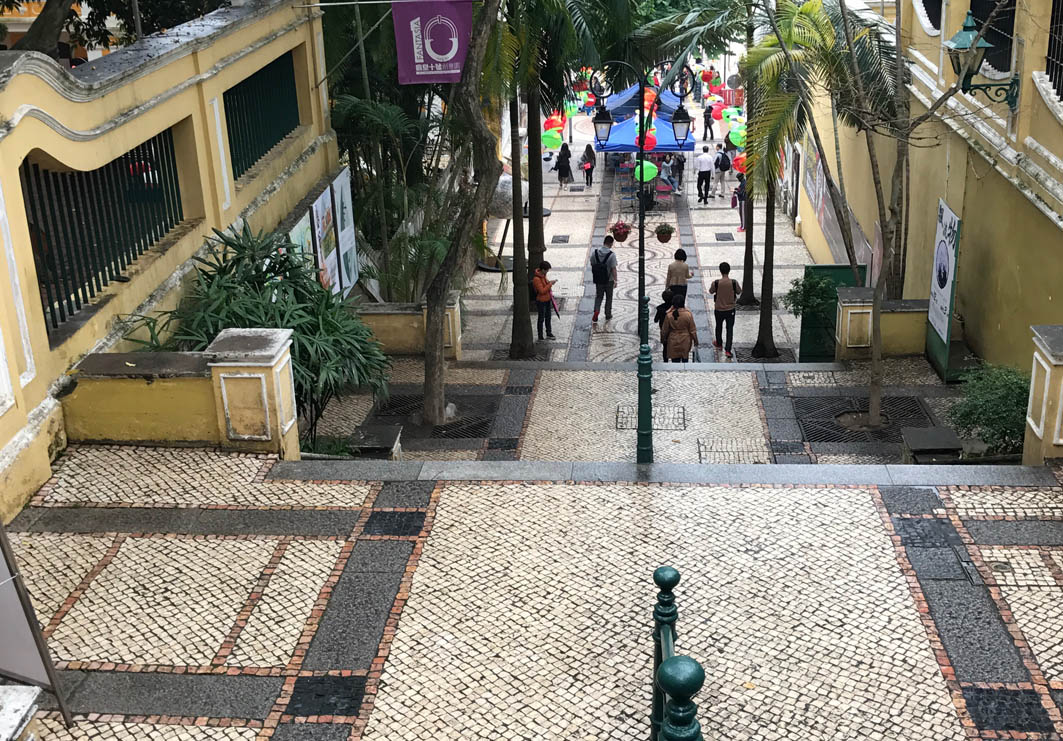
(401, 405)
(664, 417)
(744, 354)
(817, 417)
(519, 390)
(541, 355)
(473, 427)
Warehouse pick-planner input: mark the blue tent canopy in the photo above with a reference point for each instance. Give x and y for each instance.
(626, 103)
(622, 138)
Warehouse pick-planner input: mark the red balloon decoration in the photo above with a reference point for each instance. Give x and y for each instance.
(705, 76)
(649, 96)
(649, 142)
(591, 100)
(739, 162)
(553, 122)
(717, 111)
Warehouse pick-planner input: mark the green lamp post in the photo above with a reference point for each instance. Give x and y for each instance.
(963, 44)
(603, 125)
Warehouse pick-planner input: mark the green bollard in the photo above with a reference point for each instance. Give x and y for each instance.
(664, 616)
(680, 677)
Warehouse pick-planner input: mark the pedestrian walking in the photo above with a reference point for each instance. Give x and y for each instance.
(679, 164)
(704, 164)
(666, 174)
(678, 273)
(659, 315)
(586, 163)
(678, 332)
(603, 271)
(721, 165)
(738, 200)
(544, 298)
(707, 118)
(725, 290)
(564, 166)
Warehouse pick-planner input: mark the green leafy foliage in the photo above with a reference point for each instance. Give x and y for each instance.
(993, 407)
(813, 294)
(250, 280)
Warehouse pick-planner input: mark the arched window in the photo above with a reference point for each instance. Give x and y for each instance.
(999, 34)
(1054, 58)
(933, 12)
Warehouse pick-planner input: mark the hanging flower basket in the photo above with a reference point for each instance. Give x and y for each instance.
(620, 231)
(664, 232)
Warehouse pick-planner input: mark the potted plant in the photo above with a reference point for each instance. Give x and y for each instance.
(664, 232)
(620, 230)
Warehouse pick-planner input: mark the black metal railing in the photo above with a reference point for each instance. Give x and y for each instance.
(260, 111)
(999, 33)
(1054, 57)
(676, 679)
(87, 227)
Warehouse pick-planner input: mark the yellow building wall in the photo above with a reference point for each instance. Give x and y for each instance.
(68, 124)
(142, 410)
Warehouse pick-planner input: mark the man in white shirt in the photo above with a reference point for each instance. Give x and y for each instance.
(704, 163)
(721, 165)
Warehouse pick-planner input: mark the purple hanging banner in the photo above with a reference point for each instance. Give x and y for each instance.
(432, 39)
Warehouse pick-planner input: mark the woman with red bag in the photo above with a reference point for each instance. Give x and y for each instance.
(586, 163)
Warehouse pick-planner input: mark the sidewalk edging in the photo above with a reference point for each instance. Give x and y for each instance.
(779, 474)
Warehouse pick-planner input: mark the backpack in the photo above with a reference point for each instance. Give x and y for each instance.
(723, 161)
(600, 268)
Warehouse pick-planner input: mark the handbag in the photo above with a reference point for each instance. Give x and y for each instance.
(697, 355)
(734, 200)
(587, 165)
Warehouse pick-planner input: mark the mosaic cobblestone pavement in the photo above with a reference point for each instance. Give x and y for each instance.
(435, 610)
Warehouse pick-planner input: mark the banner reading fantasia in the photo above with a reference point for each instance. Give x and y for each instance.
(432, 39)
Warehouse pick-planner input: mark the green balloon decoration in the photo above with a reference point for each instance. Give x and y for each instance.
(738, 138)
(646, 172)
(571, 109)
(551, 139)
(583, 97)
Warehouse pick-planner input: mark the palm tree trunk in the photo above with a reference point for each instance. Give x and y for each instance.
(536, 240)
(747, 298)
(521, 343)
(471, 213)
(765, 347)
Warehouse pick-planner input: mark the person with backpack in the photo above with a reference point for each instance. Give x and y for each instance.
(544, 298)
(603, 271)
(678, 332)
(721, 165)
(707, 117)
(725, 289)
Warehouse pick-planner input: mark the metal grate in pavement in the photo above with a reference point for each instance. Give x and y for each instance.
(576, 188)
(541, 355)
(400, 405)
(664, 417)
(725, 237)
(744, 354)
(559, 239)
(816, 415)
(473, 427)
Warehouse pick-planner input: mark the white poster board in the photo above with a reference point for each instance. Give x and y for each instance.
(348, 252)
(24, 655)
(325, 237)
(302, 235)
(943, 279)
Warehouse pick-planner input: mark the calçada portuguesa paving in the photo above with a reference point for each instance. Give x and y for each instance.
(194, 594)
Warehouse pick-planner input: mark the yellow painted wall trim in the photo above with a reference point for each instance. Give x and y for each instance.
(27, 110)
(25, 462)
(1048, 94)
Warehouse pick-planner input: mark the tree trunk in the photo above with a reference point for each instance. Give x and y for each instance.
(536, 240)
(471, 213)
(765, 347)
(522, 343)
(43, 34)
(747, 298)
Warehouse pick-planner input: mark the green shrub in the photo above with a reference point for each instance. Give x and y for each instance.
(813, 294)
(261, 280)
(993, 407)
